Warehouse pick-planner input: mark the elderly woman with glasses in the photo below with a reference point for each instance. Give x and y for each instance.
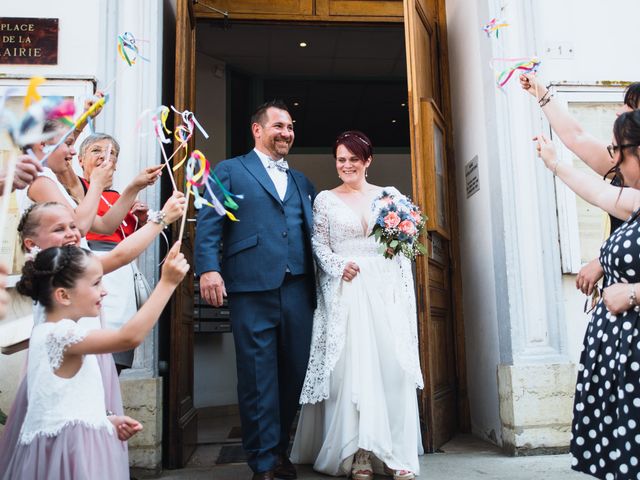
(120, 304)
(606, 416)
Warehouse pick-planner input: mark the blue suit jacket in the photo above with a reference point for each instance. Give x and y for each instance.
(254, 250)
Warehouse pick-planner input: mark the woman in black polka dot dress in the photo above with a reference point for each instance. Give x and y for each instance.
(606, 417)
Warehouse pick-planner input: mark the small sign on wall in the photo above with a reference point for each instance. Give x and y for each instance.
(472, 176)
(28, 41)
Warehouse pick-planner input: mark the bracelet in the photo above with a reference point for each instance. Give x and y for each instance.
(543, 96)
(110, 413)
(544, 100)
(633, 300)
(157, 216)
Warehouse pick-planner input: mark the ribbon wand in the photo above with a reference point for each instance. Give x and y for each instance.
(184, 215)
(83, 118)
(166, 161)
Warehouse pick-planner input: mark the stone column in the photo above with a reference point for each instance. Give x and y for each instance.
(137, 88)
(535, 376)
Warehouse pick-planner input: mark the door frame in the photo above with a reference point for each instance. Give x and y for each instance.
(179, 455)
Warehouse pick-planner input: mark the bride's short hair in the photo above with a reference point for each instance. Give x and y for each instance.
(356, 142)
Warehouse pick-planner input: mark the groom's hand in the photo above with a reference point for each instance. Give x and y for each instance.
(212, 288)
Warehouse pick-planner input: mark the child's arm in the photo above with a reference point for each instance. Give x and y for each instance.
(132, 333)
(131, 247)
(126, 427)
(44, 189)
(111, 220)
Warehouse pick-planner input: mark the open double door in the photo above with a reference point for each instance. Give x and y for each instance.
(443, 402)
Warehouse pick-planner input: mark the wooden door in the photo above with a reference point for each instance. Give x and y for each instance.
(443, 400)
(182, 425)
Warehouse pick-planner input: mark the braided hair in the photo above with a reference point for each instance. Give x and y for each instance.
(30, 220)
(55, 267)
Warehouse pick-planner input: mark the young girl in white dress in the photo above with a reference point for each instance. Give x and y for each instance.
(66, 433)
(53, 225)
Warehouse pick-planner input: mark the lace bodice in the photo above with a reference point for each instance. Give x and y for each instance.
(338, 233)
(56, 402)
(338, 237)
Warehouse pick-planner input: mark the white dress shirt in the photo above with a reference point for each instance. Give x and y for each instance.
(278, 177)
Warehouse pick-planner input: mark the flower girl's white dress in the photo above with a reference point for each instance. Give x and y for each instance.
(360, 386)
(65, 433)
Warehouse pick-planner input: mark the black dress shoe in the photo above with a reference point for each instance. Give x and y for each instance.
(268, 475)
(285, 469)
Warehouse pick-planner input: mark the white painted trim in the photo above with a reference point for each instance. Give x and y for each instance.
(569, 235)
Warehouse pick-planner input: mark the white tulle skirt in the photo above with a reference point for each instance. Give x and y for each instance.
(372, 403)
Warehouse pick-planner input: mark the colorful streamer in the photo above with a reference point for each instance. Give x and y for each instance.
(28, 129)
(526, 65)
(201, 177)
(48, 150)
(159, 120)
(32, 94)
(494, 26)
(128, 49)
(183, 133)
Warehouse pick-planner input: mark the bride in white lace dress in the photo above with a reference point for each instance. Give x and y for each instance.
(360, 410)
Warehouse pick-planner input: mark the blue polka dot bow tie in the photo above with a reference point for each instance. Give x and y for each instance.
(281, 164)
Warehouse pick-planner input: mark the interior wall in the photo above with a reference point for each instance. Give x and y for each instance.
(386, 169)
(214, 369)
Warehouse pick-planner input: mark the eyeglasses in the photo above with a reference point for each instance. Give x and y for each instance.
(591, 302)
(612, 149)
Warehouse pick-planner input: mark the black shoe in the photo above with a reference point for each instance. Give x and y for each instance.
(268, 475)
(285, 469)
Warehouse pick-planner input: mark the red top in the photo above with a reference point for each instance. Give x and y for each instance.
(128, 225)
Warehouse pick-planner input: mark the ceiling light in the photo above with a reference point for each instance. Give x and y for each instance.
(294, 121)
(403, 104)
(393, 121)
(295, 104)
(302, 44)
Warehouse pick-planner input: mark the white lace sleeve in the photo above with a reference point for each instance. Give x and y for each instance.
(64, 334)
(330, 262)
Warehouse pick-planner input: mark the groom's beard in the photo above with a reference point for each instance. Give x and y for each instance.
(281, 146)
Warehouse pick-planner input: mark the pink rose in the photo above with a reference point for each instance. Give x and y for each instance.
(391, 220)
(416, 216)
(407, 227)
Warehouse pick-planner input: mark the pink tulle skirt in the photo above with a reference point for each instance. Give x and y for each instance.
(78, 452)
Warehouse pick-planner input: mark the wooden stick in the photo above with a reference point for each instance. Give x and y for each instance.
(166, 161)
(184, 215)
(109, 85)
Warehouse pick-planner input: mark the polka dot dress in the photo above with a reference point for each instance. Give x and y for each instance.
(606, 414)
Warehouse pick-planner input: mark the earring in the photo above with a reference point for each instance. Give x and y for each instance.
(366, 174)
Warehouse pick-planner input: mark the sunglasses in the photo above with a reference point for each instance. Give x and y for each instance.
(591, 302)
(612, 149)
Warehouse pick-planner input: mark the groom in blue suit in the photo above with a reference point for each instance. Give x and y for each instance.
(266, 270)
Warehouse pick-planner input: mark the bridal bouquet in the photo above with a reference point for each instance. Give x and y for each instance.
(398, 227)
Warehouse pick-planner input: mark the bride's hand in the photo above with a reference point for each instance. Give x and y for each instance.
(350, 271)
